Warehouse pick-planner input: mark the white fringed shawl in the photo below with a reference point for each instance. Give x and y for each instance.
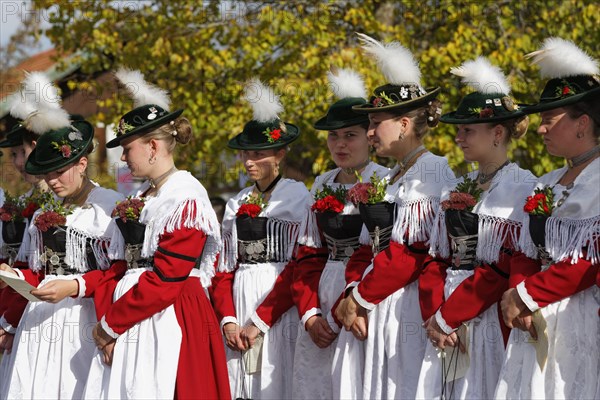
(182, 202)
(576, 223)
(500, 211)
(418, 198)
(287, 208)
(91, 222)
(309, 229)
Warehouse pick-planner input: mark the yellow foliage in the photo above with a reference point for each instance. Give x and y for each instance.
(202, 52)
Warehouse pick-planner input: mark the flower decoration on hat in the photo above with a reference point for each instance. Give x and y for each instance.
(400, 69)
(151, 106)
(571, 71)
(491, 100)
(266, 107)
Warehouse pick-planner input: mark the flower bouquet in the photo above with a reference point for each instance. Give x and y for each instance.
(251, 229)
(539, 207)
(127, 213)
(51, 223)
(460, 221)
(376, 214)
(328, 207)
(249, 225)
(13, 224)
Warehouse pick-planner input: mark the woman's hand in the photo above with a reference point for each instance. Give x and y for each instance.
(248, 336)
(436, 335)
(347, 311)
(101, 337)
(56, 290)
(4, 267)
(512, 308)
(360, 327)
(6, 341)
(320, 332)
(107, 353)
(231, 331)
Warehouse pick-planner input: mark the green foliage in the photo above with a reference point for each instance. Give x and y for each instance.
(203, 52)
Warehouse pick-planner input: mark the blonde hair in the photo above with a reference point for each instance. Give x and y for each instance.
(424, 117)
(516, 127)
(177, 131)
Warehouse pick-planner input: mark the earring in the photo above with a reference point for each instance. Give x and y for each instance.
(401, 136)
(152, 160)
(580, 135)
(496, 144)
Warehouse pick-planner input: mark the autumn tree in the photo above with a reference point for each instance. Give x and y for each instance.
(203, 52)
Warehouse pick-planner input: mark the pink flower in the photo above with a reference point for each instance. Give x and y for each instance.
(49, 219)
(65, 149)
(359, 193)
(459, 201)
(129, 209)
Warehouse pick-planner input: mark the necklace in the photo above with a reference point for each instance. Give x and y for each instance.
(580, 159)
(407, 161)
(353, 170)
(78, 198)
(565, 194)
(154, 183)
(482, 178)
(271, 185)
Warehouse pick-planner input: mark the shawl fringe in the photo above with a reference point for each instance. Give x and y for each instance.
(415, 220)
(566, 238)
(186, 214)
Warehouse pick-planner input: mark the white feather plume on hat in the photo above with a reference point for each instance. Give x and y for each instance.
(39, 105)
(346, 83)
(482, 76)
(559, 58)
(266, 105)
(395, 61)
(142, 92)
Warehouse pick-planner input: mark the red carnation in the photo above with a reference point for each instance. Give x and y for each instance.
(530, 205)
(5, 217)
(275, 134)
(328, 203)
(251, 210)
(377, 101)
(30, 209)
(566, 90)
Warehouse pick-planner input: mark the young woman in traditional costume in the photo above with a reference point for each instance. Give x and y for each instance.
(474, 242)
(260, 232)
(14, 242)
(331, 233)
(70, 234)
(559, 304)
(383, 307)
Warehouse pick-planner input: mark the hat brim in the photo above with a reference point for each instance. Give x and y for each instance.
(409, 104)
(150, 126)
(33, 167)
(552, 104)
(451, 118)
(323, 125)
(239, 142)
(14, 138)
